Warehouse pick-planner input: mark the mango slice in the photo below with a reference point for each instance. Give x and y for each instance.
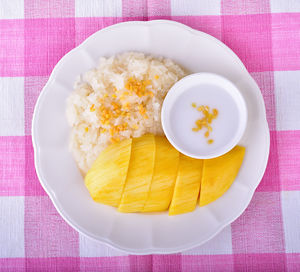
(106, 178)
(219, 173)
(139, 174)
(187, 185)
(164, 176)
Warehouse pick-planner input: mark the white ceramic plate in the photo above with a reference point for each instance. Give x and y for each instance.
(59, 176)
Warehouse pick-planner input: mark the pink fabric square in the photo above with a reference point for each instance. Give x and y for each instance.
(259, 262)
(286, 41)
(32, 88)
(49, 9)
(12, 165)
(209, 263)
(11, 48)
(249, 36)
(32, 184)
(65, 264)
(133, 8)
(289, 159)
(208, 24)
(265, 81)
(87, 26)
(46, 41)
(107, 264)
(271, 179)
(46, 233)
(259, 229)
(293, 262)
(233, 7)
(12, 265)
(140, 263)
(171, 262)
(158, 8)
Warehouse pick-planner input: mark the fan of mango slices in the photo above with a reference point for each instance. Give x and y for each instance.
(147, 174)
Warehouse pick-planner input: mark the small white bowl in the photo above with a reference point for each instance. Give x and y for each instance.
(179, 116)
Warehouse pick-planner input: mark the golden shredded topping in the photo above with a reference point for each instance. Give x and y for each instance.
(139, 87)
(206, 120)
(116, 105)
(92, 108)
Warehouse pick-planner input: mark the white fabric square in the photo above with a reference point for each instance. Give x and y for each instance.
(285, 5)
(12, 106)
(287, 96)
(220, 244)
(195, 7)
(90, 248)
(290, 201)
(96, 8)
(12, 227)
(12, 9)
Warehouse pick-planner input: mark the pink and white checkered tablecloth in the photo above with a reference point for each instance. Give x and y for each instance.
(35, 34)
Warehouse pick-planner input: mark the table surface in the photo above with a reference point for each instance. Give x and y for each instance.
(35, 34)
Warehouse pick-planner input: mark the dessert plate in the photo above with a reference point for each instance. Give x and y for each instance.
(59, 176)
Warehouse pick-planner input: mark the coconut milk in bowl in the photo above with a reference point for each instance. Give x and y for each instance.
(204, 115)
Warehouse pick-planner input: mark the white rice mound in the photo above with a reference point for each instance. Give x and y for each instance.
(104, 85)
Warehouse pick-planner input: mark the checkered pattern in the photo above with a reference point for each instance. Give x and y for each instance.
(35, 34)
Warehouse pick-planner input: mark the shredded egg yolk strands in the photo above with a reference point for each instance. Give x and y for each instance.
(109, 111)
(206, 120)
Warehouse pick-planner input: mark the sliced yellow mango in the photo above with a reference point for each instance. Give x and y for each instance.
(187, 185)
(219, 173)
(164, 176)
(139, 174)
(106, 178)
